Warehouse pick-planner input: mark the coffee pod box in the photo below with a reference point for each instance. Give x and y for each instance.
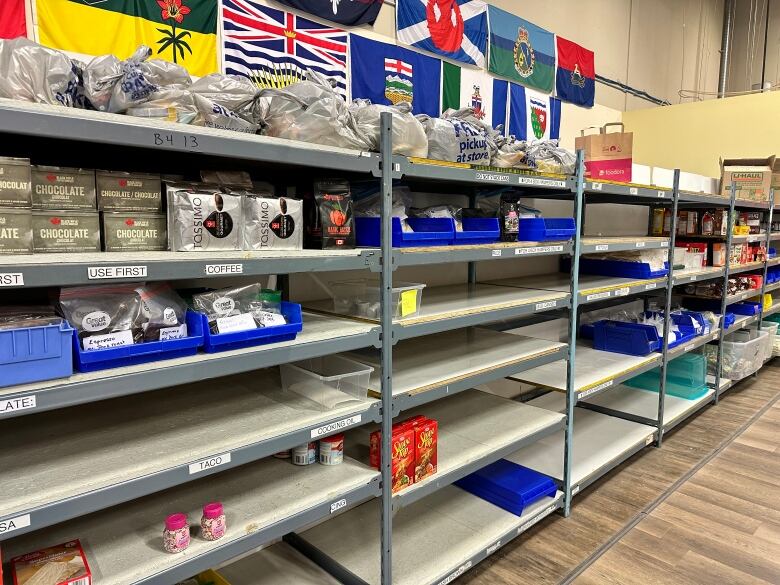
(203, 218)
(120, 191)
(15, 182)
(16, 231)
(65, 231)
(751, 176)
(63, 188)
(134, 231)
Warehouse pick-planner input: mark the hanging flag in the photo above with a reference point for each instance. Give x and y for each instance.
(521, 51)
(182, 31)
(349, 12)
(274, 48)
(533, 115)
(387, 74)
(453, 28)
(575, 78)
(12, 19)
(463, 87)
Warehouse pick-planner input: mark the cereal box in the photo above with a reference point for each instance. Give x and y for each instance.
(63, 564)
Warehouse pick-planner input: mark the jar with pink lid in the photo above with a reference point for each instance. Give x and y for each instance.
(176, 536)
(212, 524)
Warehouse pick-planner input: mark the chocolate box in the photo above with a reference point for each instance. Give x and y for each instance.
(15, 182)
(65, 231)
(63, 188)
(120, 191)
(125, 231)
(16, 231)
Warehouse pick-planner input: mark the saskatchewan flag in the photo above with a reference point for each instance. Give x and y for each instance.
(182, 31)
(463, 87)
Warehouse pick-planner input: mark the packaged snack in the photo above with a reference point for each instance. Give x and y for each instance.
(65, 231)
(15, 183)
(16, 236)
(63, 188)
(329, 217)
(272, 223)
(402, 454)
(240, 309)
(120, 191)
(125, 231)
(426, 439)
(63, 564)
(104, 316)
(162, 312)
(213, 524)
(203, 218)
(176, 535)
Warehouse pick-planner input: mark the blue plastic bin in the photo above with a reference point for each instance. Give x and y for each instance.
(745, 308)
(428, 231)
(545, 229)
(621, 268)
(34, 354)
(138, 353)
(478, 230)
(625, 338)
(508, 485)
(225, 341)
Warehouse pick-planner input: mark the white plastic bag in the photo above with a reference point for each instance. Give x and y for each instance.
(233, 92)
(409, 137)
(33, 73)
(455, 137)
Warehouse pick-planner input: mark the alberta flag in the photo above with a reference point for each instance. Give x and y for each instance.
(387, 74)
(463, 87)
(452, 28)
(575, 79)
(521, 51)
(533, 115)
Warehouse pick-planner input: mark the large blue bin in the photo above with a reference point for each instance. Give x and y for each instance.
(34, 354)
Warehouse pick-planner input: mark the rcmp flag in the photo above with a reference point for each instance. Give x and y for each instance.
(350, 12)
(463, 87)
(533, 115)
(575, 78)
(274, 48)
(387, 74)
(452, 28)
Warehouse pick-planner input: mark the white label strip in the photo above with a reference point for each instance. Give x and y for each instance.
(538, 250)
(493, 548)
(109, 272)
(596, 186)
(493, 177)
(216, 269)
(661, 194)
(14, 523)
(546, 305)
(335, 427)
(689, 347)
(496, 253)
(648, 440)
(602, 247)
(622, 292)
(458, 572)
(693, 278)
(541, 182)
(595, 389)
(575, 490)
(665, 244)
(633, 191)
(597, 296)
(336, 506)
(10, 405)
(546, 512)
(210, 463)
(640, 244)
(651, 286)
(11, 279)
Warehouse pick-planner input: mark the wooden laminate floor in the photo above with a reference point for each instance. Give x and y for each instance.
(555, 550)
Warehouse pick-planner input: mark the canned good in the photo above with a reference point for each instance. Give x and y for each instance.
(63, 188)
(125, 231)
(65, 231)
(332, 450)
(283, 454)
(16, 231)
(15, 190)
(120, 191)
(305, 454)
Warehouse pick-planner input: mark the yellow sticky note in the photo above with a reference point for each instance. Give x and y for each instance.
(408, 302)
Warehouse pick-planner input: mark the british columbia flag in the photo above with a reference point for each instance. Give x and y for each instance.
(274, 48)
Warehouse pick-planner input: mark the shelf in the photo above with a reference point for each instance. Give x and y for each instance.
(263, 501)
(497, 251)
(475, 429)
(741, 321)
(627, 192)
(697, 274)
(740, 268)
(725, 384)
(592, 288)
(704, 199)
(100, 455)
(772, 310)
(276, 565)
(774, 236)
(740, 296)
(429, 368)
(722, 238)
(618, 244)
(45, 121)
(600, 443)
(435, 540)
(771, 287)
(694, 343)
(596, 371)
(112, 267)
(773, 261)
(321, 335)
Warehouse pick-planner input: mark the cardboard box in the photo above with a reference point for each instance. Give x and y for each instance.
(62, 564)
(751, 176)
(608, 155)
(663, 177)
(776, 179)
(426, 447)
(641, 174)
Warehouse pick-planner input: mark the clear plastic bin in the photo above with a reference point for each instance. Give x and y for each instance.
(771, 329)
(330, 381)
(360, 298)
(743, 354)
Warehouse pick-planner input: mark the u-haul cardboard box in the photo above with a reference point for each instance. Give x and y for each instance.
(751, 176)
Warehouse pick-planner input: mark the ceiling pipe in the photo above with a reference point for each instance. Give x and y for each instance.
(725, 46)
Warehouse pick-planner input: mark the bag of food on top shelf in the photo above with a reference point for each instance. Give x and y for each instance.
(170, 105)
(242, 308)
(233, 92)
(33, 73)
(310, 111)
(203, 217)
(104, 316)
(455, 137)
(163, 312)
(509, 152)
(548, 157)
(213, 115)
(409, 137)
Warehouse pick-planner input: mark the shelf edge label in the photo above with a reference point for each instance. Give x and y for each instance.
(622, 292)
(210, 463)
(16, 523)
(496, 253)
(546, 305)
(597, 296)
(651, 286)
(493, 177)
(11, 279)
(217, 269)
(110, 272)
(595, 389)
(602, 247)
(633, 191)
(493, 547)
(457, 573)
(336, 506)
(336, 427)
(640, 244)
(538, 250)
(9, 405)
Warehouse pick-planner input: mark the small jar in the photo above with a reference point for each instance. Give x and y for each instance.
(332, 450)
(212, 524)
(305, 454)
(176, 536)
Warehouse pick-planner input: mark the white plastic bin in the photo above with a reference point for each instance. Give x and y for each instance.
(743, 353)
(360, 298)
(330, 381)
(771, 329)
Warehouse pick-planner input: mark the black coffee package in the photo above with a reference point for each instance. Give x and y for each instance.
(329, 216)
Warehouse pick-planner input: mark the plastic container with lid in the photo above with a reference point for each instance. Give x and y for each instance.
(328, 380)
(213, 524)
(176, 536)
(686, 377)
(743, 354)
(361, 298)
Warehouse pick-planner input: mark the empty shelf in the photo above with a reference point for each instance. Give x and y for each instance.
(279, 564)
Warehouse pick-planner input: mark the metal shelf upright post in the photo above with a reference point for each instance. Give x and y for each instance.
(766, 254)
(724, 292)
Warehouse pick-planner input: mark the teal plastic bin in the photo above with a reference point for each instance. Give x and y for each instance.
(686, 377)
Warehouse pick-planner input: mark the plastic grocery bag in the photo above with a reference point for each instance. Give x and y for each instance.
(233, 92)
(312, 112)
(33, 73)
(409, 137)
(370, 205)
(509, 152)
(455, 137)
(214, 115)
(548, 157)
(169, 104)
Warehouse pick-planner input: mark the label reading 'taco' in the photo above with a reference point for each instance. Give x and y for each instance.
(210, 463)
